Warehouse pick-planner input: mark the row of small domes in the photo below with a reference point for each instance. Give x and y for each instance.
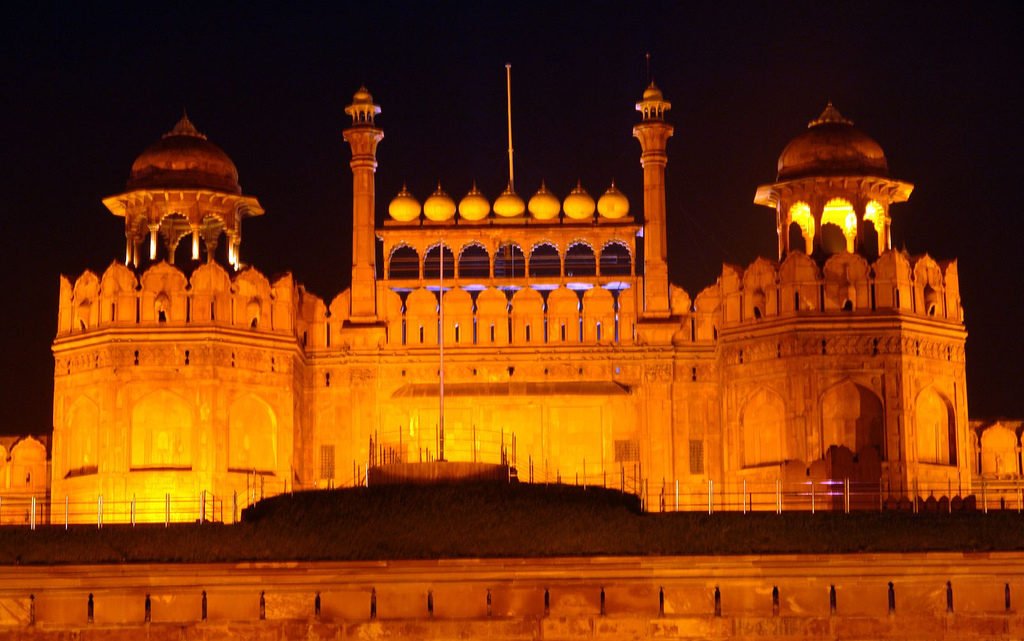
(543, 205)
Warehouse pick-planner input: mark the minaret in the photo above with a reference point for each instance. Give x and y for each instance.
(363, 137)
(653, 133)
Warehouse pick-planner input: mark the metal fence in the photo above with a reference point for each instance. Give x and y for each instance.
(833, 495)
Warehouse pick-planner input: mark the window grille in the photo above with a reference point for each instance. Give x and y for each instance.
(327, 462)
(696, 456)
(627, 451)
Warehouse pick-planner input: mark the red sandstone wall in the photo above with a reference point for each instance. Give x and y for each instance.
(643, 598)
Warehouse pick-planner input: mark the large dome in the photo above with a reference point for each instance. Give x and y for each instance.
(184, 159)
(832, 146)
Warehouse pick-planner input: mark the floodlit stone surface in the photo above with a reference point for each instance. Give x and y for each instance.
(189, 385)
(459, 593)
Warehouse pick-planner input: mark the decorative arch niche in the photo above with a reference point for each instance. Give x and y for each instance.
(81, 435)
(936, 429)
(999, 453)
(161, 432)
(252, 435)
(763, 424)
(852, 417)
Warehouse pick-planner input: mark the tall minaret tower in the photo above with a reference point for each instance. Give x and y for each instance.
(363, 137)
(653, 133)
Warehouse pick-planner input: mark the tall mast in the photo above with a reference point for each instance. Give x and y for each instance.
(508, 103)
(440, 343)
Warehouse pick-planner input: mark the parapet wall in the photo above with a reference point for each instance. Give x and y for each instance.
(877, 596)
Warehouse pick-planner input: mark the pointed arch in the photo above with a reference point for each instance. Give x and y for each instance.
(838, 214)
(433, 259)
(509, 261)
(404, 263)
(936, 428)
(800, 216)
(81, 437)
(999, 458)
(852, 417)
(252, 435)
(763, 425)
(545, 262)
(616, 259)
(474, 262)
(580, 260)
(161, 431)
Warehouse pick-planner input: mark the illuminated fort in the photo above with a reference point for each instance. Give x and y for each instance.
(566, 350)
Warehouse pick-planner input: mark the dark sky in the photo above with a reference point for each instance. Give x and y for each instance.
(86, 87)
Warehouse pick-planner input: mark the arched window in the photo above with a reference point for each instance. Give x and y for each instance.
(800, 215)
(161, 306)
(931, 300)
(580, 261)
(404, 263)
(545, 261)
(253, 311)
(509, 262)
(615, 260)
(174, 228)
(759, 303)
(432, 263)
(874, 214)
(838, 216)
(474, 262)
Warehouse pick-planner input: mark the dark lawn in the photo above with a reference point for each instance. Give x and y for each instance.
(495, 520)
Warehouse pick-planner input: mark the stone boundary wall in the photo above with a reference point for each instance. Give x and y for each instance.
(932, 596)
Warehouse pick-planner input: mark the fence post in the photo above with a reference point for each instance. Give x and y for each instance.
(711, 494)
(65, 511)
(32, 520)
(744, 496)
(167, 510)
(984, 495)
(99, 512)
(846, 494)
(133, 510)
(778, 495)
(677, 495)
(812, 496)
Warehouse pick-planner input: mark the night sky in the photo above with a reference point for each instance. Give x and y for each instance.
(86, 87)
